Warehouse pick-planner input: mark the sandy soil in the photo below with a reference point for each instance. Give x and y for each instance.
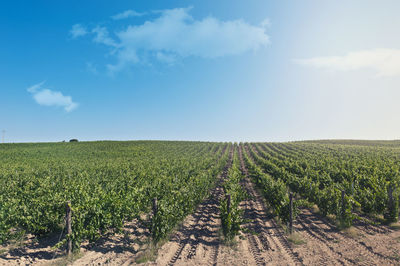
(327, 245)
(114, 249)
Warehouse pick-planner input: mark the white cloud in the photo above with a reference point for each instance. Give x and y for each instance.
(48, 97)
(127, 14)
(386, 62)
(102, 36)
(77, 31)
(36, 87)
(125, 57)
(175, 34)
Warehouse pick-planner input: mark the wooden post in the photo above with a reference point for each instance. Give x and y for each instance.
(155, 207)
(343, 206)
(228, 208)
(153, 220)
(68, 221)
(390, 196)
(290, 212)
(391, 213)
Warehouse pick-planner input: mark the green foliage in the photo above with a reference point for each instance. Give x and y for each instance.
(232, 219)
(275, 191)
(392, 212)
(107, 183)
(319, 172)
(346, 215)
(284, 213)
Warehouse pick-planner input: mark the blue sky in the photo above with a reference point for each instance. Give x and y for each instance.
(199, 70)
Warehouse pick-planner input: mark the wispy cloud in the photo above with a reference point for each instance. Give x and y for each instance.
(77, 31)
(127, 14)
(47, 97)
(386, 62)
(102, 36)
(175, 35)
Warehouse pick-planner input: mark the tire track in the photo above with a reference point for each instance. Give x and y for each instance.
(186, 239)
(371, 229)
(252, 227)
(311, 236)
(323, 243)
(214, 256)
(205, 221)
(282, 246)
(277, 236)
(252, 215)
(363, 248)
(204, 218)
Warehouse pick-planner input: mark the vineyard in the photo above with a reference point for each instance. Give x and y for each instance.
(312, 202)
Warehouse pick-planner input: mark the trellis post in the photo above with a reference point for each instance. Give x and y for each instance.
(228, 203)
(68, 221)
(290, 212)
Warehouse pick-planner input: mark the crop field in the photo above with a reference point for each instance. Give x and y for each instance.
(328, 202)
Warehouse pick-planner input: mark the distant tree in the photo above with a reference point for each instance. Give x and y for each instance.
(73, 140)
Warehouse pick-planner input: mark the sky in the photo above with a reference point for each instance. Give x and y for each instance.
(205, 70)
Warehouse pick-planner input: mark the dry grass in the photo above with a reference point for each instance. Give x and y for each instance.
(315, 208)
(296, 239)
(395, 226)
(67, 260)
(352, 232)
(332, 219)
(145, 256)
(149, 254)
(149, 251)
(379, 218)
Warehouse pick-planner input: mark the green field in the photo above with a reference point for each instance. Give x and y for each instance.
(109, 183)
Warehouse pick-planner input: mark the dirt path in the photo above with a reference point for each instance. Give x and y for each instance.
(111, 249)
(267, 242)
(341, 248)
(380, 239)
(197, 242)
